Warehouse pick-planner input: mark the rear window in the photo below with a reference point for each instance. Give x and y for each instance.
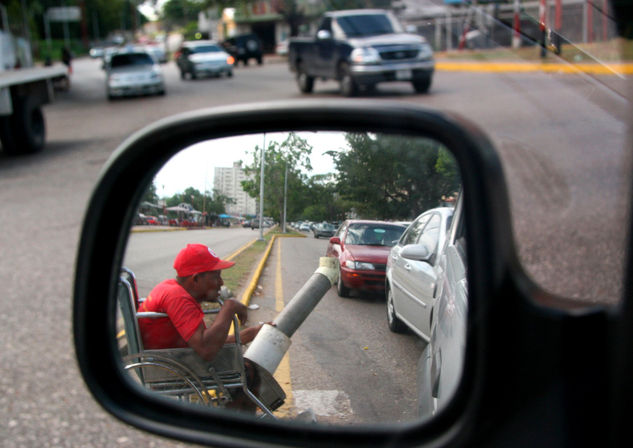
(373, 235)
(206, 49)
(121, 60)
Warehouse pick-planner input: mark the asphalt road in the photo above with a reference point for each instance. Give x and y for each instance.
(561, 138)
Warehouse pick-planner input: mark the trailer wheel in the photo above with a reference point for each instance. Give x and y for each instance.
(24, 132)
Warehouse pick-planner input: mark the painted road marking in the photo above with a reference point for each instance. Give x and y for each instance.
(324, 403)
(282, 374)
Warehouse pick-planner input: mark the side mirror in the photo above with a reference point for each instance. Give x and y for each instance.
(324, 35)
(416, 252)
(107, 244)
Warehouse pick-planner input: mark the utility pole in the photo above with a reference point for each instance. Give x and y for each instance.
(283, 225)
(261, 193)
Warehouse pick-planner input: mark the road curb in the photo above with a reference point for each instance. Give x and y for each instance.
(617, 69)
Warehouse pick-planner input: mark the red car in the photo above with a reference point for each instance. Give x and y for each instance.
(362, 248)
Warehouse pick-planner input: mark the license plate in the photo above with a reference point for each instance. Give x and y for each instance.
(403, 74)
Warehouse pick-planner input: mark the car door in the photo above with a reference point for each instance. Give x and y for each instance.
(418, 280)
(398, 268)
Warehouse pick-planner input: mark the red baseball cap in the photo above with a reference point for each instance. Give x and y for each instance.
(196, 258)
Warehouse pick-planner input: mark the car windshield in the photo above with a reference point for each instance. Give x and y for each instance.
(366, 25)
(206, 49)
(122, 60)
(373, 235)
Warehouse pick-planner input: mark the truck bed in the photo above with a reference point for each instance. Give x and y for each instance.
(26, 75)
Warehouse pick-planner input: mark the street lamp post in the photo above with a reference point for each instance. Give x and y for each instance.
(261, 193)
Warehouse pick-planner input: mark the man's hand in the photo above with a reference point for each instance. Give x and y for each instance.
(237, 308)
(248, 334)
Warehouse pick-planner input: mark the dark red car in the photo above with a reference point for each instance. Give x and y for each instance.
(362, 248)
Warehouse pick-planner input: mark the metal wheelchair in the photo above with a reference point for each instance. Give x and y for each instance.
(180, 372)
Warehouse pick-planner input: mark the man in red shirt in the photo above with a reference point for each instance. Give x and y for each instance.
(198, 279)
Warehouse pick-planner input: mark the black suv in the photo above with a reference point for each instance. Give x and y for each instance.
(244, 47)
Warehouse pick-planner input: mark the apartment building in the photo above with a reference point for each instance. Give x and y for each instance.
(227, 181)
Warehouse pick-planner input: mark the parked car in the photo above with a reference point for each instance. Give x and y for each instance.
(244, 47)
(362, 248)
(133, 73)
(441, 362)
(323, 229)
(203, 57)
(413, 272)
(304, 227)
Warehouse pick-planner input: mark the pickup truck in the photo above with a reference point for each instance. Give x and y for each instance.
(361, 48)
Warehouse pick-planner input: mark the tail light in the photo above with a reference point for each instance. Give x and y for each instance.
(230, 60)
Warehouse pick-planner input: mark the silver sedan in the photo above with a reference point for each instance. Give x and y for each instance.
(413, 271)
(133, 73)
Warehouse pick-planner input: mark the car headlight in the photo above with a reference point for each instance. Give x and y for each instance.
(359, 265)
(425, 51)
(365, 55)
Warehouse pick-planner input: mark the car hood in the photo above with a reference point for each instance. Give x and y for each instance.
(387, 39)
(211, 56)
(374, 254)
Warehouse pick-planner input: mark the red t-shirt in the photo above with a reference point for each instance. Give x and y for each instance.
(184, 316)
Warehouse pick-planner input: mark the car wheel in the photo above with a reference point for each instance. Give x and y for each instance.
(349, 87)
(395, 324)
(427, 403)
(25, 131)
(183, 75)
(193, 74)
(229, 73)
(304, 81)
(341, 289)
(260, 61)
(422, 85)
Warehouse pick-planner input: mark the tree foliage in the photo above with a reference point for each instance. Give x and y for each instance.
(211, 204)
(394, 177)
(293, 154)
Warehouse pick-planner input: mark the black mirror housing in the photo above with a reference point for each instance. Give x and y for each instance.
(111, 211)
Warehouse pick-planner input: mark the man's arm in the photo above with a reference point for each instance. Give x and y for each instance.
(208, 342)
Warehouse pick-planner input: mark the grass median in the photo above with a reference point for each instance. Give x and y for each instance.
(237, 277)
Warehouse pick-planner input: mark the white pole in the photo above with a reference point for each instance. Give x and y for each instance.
(261, 193)
(283, 226)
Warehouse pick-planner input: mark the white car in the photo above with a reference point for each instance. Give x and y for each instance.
(413, 271)
(133, 73)
(203, 57)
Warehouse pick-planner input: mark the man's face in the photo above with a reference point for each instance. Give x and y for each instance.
(209, 284)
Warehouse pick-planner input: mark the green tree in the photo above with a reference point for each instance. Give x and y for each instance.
(212, 204)
(394, 177)
(150, 194)
(293, 153)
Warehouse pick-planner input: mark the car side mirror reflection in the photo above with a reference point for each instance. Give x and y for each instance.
(186, 256)
(416, 252)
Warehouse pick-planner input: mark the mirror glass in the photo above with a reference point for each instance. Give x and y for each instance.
(369, 351)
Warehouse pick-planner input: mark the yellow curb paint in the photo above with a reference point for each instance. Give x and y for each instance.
(246, 297)
(240, 250)
(525, 67)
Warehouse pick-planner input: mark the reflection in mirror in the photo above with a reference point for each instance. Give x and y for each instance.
(211, 237)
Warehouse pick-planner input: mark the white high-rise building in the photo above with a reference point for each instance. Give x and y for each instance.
(228, 181)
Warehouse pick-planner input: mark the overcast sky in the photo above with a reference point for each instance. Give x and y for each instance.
(195, 166)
